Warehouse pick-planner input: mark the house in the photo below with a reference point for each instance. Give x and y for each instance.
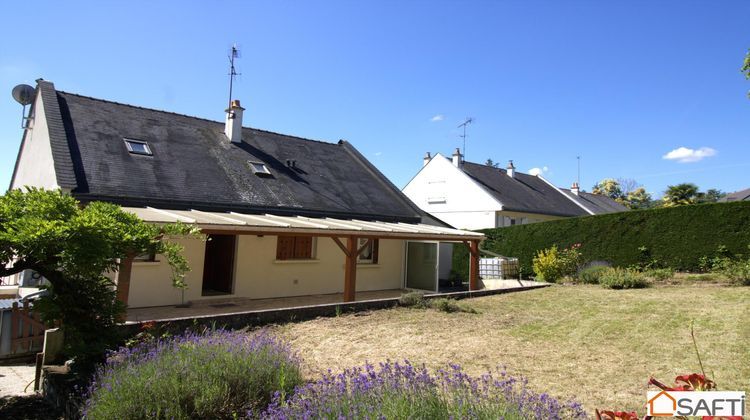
(475, 196)
(283, 215)
(742, 195)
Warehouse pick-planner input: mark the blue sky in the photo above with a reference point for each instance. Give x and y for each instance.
(620, 83)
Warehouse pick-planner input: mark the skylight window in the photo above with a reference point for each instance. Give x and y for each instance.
(138, 147)
(259, 168)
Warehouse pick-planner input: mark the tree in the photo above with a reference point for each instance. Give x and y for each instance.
(711, 195)
(609, 187)
(680, 194)
(73, 246)
(628, 185)
(638, 198)
(491, 163)
(746, 68)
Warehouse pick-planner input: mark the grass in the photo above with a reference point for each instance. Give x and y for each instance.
(596, 345)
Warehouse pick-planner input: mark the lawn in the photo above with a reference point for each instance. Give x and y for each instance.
(596, 345)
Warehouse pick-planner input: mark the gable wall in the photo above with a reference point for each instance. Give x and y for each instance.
(35, 166)
(467, 205)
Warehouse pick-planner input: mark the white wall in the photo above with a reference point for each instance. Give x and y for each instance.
(466, 205)
(258, 274)
(35, 165)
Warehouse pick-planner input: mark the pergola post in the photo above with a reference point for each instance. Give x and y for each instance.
(474, 265)
(123, 279)
(350, 270)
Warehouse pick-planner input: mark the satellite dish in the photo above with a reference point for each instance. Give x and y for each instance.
(23, 94)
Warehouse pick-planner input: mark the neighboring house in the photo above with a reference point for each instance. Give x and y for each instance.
(474, 196)
(743, 195)
(285, 216)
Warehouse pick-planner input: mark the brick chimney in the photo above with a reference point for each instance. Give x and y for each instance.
(458, 159)
(427, 158)
(574, 188)
(233, 127)
(511, 170)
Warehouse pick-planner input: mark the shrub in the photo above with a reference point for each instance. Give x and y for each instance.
(620, 278)
(450, 305)
(217, 374)
(591, 275)
(551, 265)
(677, 237)
(659, 274)
(401, 391)
(413, 300)
(737, 271)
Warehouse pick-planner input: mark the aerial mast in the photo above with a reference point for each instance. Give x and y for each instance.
(233, 53)
(463, 125)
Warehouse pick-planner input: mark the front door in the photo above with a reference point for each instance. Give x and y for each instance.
(422, 265)
(218, 265)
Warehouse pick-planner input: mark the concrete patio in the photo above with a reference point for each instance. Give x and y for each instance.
(224, 306)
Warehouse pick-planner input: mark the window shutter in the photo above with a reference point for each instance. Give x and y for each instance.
(285, 248)
(375, 243)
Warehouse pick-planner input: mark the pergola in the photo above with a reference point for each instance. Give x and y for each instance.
(345, 233)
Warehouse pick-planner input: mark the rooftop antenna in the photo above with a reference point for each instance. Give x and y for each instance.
(578, 177)
(463, 125)
(24, 95)
(233, 53)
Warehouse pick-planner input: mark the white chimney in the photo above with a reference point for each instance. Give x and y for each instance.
(511, 170)
(574, 188)
(458, 159)
(426, 159)
(233, 128)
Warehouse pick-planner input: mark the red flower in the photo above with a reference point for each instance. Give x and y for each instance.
(616, 415)
(694, 382)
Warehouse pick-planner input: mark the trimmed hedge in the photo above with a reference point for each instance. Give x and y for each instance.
(676, 237)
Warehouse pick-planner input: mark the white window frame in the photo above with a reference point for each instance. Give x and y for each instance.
(263, 167)
(130, 142)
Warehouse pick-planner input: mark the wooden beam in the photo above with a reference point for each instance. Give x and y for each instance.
(319, 234)
(341, 245)
(474, 266)
(123, 279)
(350, 270)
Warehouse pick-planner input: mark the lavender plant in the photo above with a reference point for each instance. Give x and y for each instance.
(218, 374)
(401, 390)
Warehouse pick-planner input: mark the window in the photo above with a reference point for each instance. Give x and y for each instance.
(145, 257)
(294, 248)
(369, 255)
(258, 168)
(138, 147)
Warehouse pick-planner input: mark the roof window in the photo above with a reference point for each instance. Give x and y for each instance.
(258, 168)
(138, 147)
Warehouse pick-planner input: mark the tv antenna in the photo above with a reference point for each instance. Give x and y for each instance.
(24, 95)
(233, 53)
(463, 125)
(578, 177)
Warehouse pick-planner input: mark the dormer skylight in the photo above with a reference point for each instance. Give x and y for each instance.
(258, 168)
(138, 147)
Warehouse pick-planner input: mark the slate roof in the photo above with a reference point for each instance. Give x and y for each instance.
(599, 204)
(524, 192)
(742, 195)
(195, 166)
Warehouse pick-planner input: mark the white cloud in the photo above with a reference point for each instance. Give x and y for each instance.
(538, 171)
(438, 117)
(378, 153)
(687, 155)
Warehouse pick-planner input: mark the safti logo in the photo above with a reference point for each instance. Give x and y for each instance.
(696, 403)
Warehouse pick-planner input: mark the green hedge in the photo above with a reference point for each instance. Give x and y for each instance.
(677, 237)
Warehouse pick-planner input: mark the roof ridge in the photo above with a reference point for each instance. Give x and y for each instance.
(190, 116)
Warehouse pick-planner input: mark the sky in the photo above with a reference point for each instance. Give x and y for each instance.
(644, 90)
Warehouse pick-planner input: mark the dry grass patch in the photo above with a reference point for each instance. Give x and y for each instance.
(597, 345)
